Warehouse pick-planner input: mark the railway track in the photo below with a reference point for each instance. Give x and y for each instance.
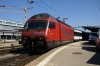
(17, 57)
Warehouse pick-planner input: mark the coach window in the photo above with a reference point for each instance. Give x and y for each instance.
(51, 25)
(75, 33)
(80, 34)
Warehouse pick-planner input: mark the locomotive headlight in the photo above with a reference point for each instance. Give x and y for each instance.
(40, 38)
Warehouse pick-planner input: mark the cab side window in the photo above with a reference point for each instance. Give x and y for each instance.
(52, 25)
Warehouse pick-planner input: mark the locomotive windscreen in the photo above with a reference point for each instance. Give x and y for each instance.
(36, 24)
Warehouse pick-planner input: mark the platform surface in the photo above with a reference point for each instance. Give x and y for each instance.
(75, 54)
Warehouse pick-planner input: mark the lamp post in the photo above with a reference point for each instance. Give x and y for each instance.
(64, 19)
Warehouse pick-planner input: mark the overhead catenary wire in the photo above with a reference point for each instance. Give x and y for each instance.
(98, 4)
(54, 9)
(98, 10)
(41, 7)
(11, 11)
(52, 3)
(10, 4)
(66, 10)
(51, 8)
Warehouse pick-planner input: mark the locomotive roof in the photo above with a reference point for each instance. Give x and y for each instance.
(63, 23)
(43, 15)
(46, 15)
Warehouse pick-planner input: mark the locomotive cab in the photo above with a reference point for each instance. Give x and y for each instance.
(34, 32)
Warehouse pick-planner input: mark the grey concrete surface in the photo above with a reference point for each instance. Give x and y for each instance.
(75, 54)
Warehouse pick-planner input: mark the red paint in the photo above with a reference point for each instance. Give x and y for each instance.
(60, 33)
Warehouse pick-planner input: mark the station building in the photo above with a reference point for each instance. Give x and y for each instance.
(10, 30)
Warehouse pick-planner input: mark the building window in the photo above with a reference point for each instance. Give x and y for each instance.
(0, 21)
(9, 23)
(19, 24)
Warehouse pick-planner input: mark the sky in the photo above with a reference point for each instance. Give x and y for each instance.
(78, 12)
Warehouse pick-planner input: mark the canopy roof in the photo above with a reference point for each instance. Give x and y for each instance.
(92, 28)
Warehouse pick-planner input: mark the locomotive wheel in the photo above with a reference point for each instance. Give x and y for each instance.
(28, 46)
(25, 46)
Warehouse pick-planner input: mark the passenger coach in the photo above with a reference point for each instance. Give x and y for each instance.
(77, 35)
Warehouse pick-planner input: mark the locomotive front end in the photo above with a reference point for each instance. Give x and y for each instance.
(33, 34)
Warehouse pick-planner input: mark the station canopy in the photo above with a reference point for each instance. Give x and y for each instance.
(92, 28)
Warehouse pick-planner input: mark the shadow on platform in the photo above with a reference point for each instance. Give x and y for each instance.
(94, 59)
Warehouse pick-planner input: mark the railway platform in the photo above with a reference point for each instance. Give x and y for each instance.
(75, 54)
(8, 44)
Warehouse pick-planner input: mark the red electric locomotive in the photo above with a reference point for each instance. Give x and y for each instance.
(43, 31)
